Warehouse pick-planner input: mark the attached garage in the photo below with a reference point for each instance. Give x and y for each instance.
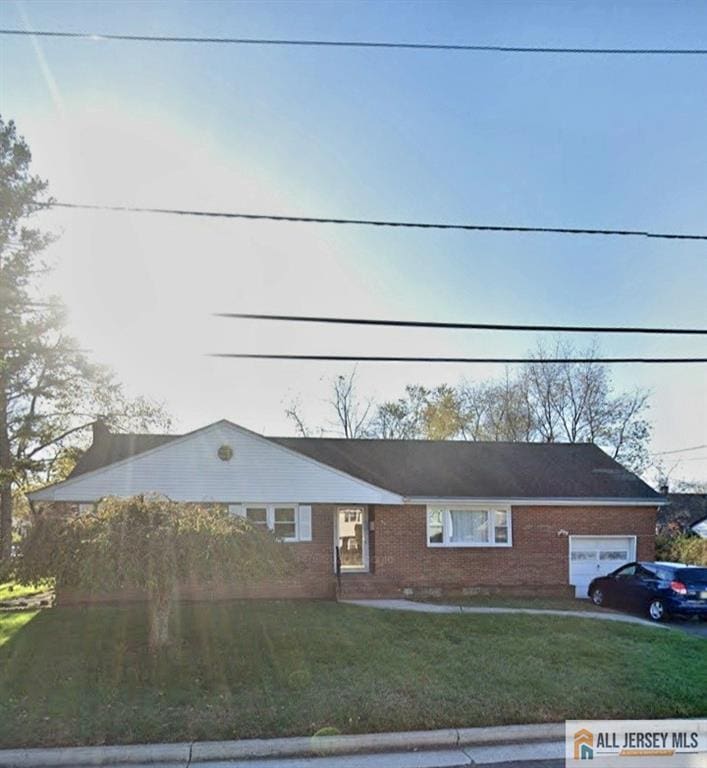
(592, 556)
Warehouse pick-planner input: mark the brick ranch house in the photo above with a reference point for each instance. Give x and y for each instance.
(393, 517)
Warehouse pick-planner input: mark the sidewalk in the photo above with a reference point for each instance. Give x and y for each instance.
(396, 604)
(410, 749)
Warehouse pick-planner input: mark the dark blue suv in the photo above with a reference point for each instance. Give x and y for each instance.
(660, 589)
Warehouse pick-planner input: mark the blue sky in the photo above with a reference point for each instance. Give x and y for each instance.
(550, 140)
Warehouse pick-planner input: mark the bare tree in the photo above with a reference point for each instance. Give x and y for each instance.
(574, 402)
(293, 413)
(351, 412)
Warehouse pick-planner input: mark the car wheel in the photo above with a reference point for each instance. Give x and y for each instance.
(597, 596)
(656, 610)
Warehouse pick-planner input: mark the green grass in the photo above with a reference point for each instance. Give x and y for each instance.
(502, 601)
(9, 590)
(259, 669)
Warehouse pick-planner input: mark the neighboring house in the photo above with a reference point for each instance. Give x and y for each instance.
(683, 513)
(407, 516)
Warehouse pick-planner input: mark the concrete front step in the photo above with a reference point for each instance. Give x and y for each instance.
(361, 586)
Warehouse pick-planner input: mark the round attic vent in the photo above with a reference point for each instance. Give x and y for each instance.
(225, 452)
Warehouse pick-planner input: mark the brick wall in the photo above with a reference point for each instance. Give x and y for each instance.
(539, 558)
(402, 563)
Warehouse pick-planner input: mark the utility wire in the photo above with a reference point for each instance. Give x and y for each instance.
(680, 450)
(463, 326)
(97, 36)
(492, 360)
(377, 222)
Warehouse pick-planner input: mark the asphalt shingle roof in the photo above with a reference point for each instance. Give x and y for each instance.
(112, 448)
(683, 510)
(457, 469)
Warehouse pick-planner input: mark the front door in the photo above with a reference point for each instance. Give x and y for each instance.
(351, 538)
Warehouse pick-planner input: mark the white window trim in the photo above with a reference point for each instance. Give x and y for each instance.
(270, 515)
(446, 525)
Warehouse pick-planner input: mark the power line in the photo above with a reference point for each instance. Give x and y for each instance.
(680, 450)
(97, 37)
(491, 360)
(377, 222)
(462, 326)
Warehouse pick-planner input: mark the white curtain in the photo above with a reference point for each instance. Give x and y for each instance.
(468, 525)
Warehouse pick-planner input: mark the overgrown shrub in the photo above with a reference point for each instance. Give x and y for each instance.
(684, 548)
(148, 543)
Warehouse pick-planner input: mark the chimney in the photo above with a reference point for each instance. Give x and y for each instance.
(664, 488)
(101, 433)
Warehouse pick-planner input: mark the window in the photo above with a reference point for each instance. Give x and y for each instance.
(257, 516)
(468, 527)
(578, 554)
(500, 517)
(281, 519)
(435, 526)
(614, 554)
(284, 524)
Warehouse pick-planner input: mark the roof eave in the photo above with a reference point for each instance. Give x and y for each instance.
(574, 501)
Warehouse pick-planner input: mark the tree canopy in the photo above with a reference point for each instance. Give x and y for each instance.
(536, 402)
(50, 392)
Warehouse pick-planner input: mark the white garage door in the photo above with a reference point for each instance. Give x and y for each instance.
(592, 556)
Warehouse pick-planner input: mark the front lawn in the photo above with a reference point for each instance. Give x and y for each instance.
(258, 669)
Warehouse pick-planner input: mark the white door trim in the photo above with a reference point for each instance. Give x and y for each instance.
(365, 568)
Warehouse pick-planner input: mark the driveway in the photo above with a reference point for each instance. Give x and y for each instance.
(410, 605)
(697, 628)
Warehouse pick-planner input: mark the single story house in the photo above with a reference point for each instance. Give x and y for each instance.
(683, 513)
(392, 517)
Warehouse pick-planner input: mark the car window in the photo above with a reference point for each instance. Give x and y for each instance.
(645, 573)
(625, 572)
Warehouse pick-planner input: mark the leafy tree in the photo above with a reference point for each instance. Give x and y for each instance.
(49, 391)
(401, 419)
(151, 544)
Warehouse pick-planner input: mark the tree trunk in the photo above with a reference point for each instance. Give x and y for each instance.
(160, 609)
(5, 522)
(5, 479)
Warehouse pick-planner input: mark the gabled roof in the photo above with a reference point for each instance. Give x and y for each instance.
(683, 511)
(112, 448)
(436, 469)
(190, 468)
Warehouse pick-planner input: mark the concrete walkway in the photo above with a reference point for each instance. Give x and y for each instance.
(410, 605)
